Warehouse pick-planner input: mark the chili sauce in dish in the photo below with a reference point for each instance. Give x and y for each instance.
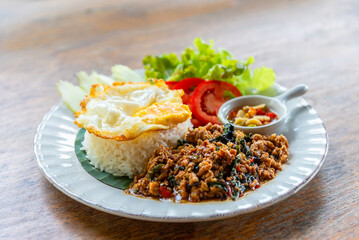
(252, 116)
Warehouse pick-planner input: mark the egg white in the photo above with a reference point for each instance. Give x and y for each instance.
(123, 111)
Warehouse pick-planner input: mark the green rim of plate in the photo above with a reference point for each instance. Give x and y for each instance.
(107, 178)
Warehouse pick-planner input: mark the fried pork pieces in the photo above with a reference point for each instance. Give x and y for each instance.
(212, 162)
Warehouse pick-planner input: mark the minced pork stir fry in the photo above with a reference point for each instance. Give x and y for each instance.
(212, 162)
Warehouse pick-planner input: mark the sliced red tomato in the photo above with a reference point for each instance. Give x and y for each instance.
(209, 96)
(189, 85)
(195, 122)
(171, 84)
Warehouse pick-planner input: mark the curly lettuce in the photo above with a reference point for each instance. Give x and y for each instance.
(205, 62)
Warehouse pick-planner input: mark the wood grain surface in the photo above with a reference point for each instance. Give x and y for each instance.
(313, 42)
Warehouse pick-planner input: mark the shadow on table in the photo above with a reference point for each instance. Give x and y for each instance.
(290, 218)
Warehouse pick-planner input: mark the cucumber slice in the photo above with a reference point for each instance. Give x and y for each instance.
(86, 81)
(103, 78)
(71, 94)
(122, 73)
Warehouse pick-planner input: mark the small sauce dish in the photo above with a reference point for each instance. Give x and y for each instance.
(275, 104)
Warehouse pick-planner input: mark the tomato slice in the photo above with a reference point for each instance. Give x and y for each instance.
(196, 123)
(171, 84)
(189, 85)
(209, 96)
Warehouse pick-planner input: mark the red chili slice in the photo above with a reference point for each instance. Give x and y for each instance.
(189, 85)
(171, 84)
(272, 115)
(260, 112)
(209, 96)
(164, 192)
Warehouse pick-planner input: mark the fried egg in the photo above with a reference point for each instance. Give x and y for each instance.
(123, 111)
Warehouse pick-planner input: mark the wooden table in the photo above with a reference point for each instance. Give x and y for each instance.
(312, 42)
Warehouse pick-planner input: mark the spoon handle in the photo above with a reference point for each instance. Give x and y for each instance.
(296, 91)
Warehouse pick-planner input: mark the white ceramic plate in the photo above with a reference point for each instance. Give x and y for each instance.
(54, 151)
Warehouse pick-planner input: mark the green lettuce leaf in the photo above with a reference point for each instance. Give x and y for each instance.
(253, 82)
(160, 67)
(203, 61)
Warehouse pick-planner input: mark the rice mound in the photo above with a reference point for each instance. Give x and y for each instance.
(128, 158)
